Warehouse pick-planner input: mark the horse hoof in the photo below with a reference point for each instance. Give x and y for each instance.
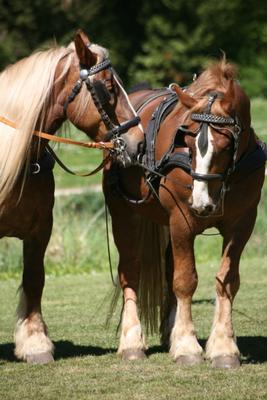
(192, 359)
(39, 358)
(228, 362)
(133, 354)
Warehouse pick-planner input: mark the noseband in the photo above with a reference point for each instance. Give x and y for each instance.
(101, 97)
(205, 119)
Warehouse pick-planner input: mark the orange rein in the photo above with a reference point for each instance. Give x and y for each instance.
(43, 135)
(90, 145)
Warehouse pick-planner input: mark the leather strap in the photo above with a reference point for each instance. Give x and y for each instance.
(43, 135)
(63, 166)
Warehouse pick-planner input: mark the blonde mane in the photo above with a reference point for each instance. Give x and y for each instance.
(25, 89)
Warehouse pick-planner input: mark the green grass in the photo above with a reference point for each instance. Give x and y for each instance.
(87, 366)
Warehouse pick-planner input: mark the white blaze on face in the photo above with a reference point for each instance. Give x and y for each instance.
(200, 194)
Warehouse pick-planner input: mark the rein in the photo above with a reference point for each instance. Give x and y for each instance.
(91, 145)
(44, 135)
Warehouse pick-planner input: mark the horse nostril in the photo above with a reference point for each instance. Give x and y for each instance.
(209, 208)
(190, 201)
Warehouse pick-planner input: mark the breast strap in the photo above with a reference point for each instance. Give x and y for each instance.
(158, 116)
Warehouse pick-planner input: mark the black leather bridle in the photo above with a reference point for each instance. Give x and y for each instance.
(205, 119)
(101, 97)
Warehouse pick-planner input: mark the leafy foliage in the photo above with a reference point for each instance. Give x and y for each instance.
(158, 42)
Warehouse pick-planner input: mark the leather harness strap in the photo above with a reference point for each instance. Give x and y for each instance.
(63, 166)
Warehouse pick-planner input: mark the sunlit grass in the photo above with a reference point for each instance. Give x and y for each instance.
(87, 367)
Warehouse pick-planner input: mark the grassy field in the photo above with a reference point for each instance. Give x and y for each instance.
(87, 366)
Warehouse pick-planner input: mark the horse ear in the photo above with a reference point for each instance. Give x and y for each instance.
(85, 55)
(185, 98)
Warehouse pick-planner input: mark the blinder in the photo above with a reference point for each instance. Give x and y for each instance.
(101, 92)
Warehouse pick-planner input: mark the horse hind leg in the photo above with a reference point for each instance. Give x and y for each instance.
(132, 343)
(141, 280)
(169, 308)
(32, 343)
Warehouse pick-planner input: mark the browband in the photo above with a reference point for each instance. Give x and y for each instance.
(211, 118)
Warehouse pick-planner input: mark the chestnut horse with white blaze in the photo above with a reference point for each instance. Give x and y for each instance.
(201, 166)
(75, 83)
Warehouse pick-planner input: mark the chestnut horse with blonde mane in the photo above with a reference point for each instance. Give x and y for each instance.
(75, 83)
(204, 167)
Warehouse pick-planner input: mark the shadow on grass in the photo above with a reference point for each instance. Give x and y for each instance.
(67, 349)
(252, 348)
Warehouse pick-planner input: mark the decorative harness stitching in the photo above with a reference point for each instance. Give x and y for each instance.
(212, 119)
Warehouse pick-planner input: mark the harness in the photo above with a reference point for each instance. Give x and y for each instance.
(101, 97)
(155, 170)
(158, 116)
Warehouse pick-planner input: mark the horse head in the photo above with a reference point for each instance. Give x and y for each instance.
(217, 120)
(95, 101)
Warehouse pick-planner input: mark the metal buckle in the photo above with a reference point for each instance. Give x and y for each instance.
(119, 144)
(36, 168)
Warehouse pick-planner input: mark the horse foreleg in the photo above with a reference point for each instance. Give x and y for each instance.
(32, 343)
(221, 346)
(185, 348)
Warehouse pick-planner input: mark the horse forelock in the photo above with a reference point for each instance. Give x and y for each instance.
(100, 51)
(215, 78)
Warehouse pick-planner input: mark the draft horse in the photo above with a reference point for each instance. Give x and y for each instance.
(201, 166)
(75, 83)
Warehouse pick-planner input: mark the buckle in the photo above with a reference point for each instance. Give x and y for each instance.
(35, 168)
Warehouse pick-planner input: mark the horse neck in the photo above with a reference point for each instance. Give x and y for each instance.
(51, 118)
(137, 98)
